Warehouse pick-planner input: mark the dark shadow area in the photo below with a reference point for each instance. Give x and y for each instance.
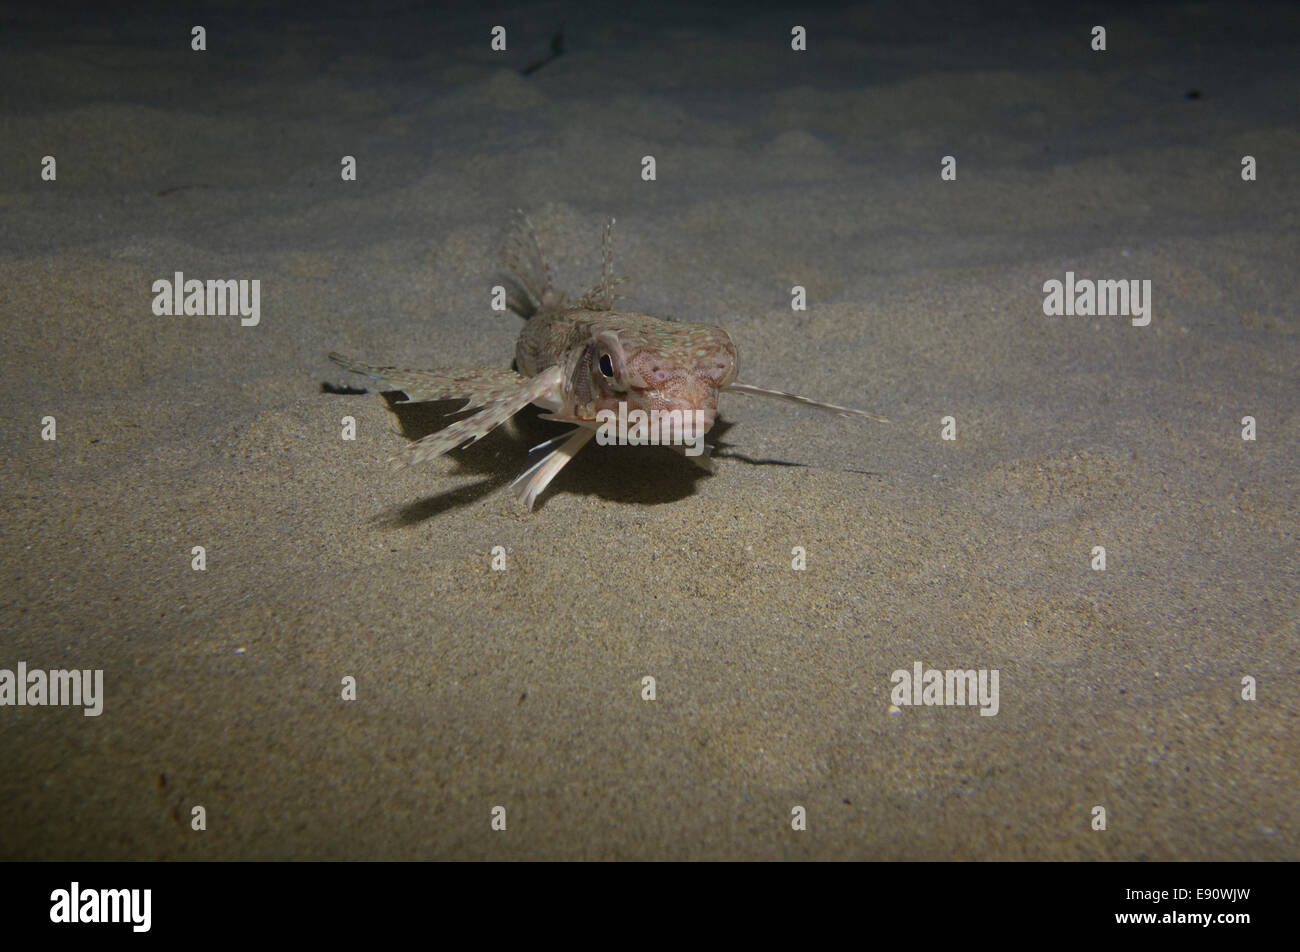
(341, 389)
(754, 461)
(410, 514)
(632, 474)
(765, 461)
(646, 475)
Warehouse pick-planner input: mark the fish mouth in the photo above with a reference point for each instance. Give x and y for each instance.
(687, 423)
(670, 423)
(707, 419)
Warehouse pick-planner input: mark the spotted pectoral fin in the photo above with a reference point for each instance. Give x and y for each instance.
(479, 386)
(494, 412)
(802, 401)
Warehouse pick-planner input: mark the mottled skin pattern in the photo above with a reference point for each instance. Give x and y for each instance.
(575, 360)
(655, 364)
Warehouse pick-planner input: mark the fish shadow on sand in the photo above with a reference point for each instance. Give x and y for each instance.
(630, 474)
(648, 475)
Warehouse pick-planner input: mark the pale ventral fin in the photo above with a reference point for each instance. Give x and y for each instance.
(534, 480)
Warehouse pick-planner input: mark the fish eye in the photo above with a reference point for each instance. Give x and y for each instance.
(606, 365)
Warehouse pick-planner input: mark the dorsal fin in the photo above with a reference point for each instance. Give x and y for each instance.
(601, 297)
(528, 278)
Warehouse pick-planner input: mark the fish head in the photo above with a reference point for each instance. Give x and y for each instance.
(653, 365)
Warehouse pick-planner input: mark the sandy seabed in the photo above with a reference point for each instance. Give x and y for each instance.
(523, 688)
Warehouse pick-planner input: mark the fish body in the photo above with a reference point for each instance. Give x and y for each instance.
(581, 361)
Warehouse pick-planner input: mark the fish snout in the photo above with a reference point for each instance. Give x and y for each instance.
(695, 419)
(707, 417)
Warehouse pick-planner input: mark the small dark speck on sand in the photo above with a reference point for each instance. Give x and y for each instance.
(557, 49)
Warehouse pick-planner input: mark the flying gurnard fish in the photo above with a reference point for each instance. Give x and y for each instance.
(576, 360)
